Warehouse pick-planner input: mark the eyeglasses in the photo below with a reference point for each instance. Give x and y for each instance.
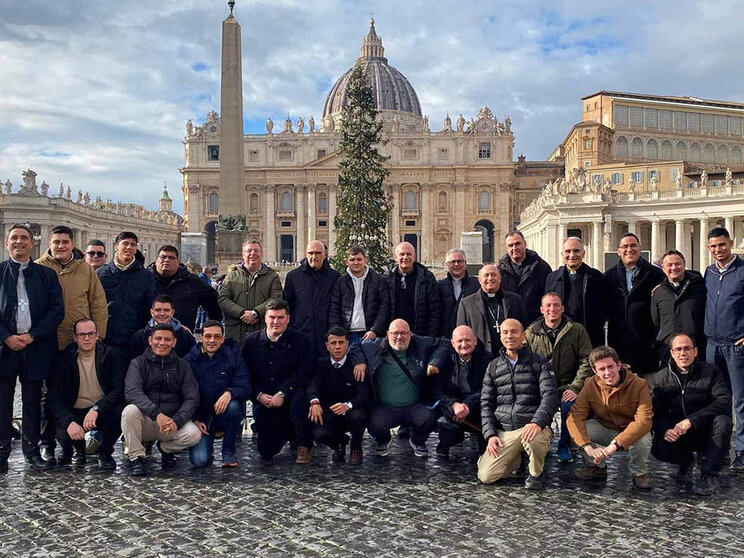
(211, 337)
(86, 334)
(165, 258)
(685, 349)
(314, 253)
(456, 262)
(395, 334)
(94, 254)
(628, 246)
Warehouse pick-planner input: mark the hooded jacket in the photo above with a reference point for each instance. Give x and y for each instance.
(529, 285)
(82, 293)
(129, 295)
(427, 306)
(683, 312)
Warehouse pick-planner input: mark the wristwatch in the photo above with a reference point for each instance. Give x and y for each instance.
(281, 394)
(94, 408)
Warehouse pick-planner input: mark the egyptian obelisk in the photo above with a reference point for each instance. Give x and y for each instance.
(231, 189)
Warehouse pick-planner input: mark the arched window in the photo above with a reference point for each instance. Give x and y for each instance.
(621, 147)
(695, 154)
(709, 155)
(442, 204)
(723, 156)
(681, 150)
(409, 200)
(637, 148)
(666, 150)
(484, 201)
(652, 149)
(322, 203)
(287, 202)
(735, 155)
(213, 202)
(253, 203)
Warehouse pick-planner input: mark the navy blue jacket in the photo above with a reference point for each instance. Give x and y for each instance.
(129, 295)
(225, 371)
(330, 385)
(308, 293)
(188, 292)
(47, 311)
(724, 310)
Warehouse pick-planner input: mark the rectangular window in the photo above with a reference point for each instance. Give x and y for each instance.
(693, 121)
(722, 125)
(680, 121)
(286, 223)
(652, 174)
(708, 124)
(522, 196)
(321, 153)
(587, 144)
(484, 150)
(410, 154)
(651, 118)
(675, 174)
(620, 116)
(735, 125)
(443, 153)
(617, 178)
(213, 153)
(666, 120)
(285, 155)
(636, 117)
(637, 177)
(322, 223)
(253, 156)
(587, 164)
(410, 223)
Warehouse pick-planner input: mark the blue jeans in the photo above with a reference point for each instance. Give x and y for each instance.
(229, 423)
(730, 358)
(565, 439)
(355, 338)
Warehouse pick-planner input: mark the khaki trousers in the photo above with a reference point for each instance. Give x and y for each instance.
(138, 428)
(491, 469)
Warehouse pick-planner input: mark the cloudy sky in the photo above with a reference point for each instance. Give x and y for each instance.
(96, 93)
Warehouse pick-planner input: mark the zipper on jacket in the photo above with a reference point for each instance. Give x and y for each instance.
(682, 388)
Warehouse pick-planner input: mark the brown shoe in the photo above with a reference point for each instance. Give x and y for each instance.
(591, 473)
(303, 455)
(642, 482)
(356, 456)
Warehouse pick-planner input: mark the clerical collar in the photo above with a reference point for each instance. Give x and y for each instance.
(23, 265)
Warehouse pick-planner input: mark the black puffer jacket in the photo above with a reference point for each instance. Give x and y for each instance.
(529, 285)
(187, 292)
(512, 398)
(450, 305)
(129, 294)
(308, 293)
(428, 309)
(374, 302)
(700, 396)
(683, 312)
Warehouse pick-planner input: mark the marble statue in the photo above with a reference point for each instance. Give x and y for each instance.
(86, 198)
(729, 177)
(447, 124)
(69, 193)
(300, 125)
(287, 126)
(631, 185)
(44, 188)
(269, 126)
(425, 124)
(396, 124)
(79, 197)
(8, 187)
(189, 127)
(654, 183)
(29, 184)
(678, 181)
(704, 179)
(507, 124)
(460, 123)
(61, 191)
(311, 124)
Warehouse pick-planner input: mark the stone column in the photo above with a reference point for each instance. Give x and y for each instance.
(703, 248)
(331, 216)
(302, 239)
(427, 225)
(395, 191)
(270, 216)
(730, 228)
(551, 242)
(655, 231)
(559, 243)
(633, 227)
(679, 236)
(597, 240)
(311, 217)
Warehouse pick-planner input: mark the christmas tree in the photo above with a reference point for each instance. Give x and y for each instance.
(362, 204)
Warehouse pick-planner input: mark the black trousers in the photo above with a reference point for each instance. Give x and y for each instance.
(276, 426)
(418, 417)
(17, 367)
(108, 423)
(333, 431)
(47, 437)
(452, 433)
(711, 444)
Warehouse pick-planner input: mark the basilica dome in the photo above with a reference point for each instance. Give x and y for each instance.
(391, 90)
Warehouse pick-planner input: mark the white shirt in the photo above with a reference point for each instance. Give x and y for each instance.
(457, 287)
(357, 313)
(23, 310)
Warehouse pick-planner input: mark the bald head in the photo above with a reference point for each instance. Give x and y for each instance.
(489, 278)
(399, 335)
(512, 334)
(464, 341)
(405, 256)
(315, 254)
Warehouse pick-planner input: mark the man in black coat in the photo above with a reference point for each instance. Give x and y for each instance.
(630, 329)
(86, 392)
(162, 313)
(452, 289)
(582, 290)
(523, 272)
(187, 291)
(413, 295)
(307, 290)
(459, 390)
(692, 414)
(518, 401)
(678, 304)
(31, 308)
(338, 401)
(359, 299)
(485, 310)
(129, 289)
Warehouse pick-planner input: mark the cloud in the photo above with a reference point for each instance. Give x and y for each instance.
(96, 94)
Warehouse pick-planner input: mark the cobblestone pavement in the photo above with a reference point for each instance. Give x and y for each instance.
(396, 506)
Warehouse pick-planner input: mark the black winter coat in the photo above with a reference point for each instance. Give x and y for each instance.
(162, 385)
(450, 305)
(374, 302)
(47, 312)
(700, 396)
(529, 285)
(129, 295)
(594, 294)
(472, 312)
(449, 392)
(308, 293)
(330, 385)
(683, 312)
(64, 383)
(187, 292)
(512, 398)
(630, 329)
(427, 306)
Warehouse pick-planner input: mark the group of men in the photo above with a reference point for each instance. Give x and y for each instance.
(328, 356)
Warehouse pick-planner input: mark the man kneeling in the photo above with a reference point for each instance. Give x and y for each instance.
(163, 395)
(621, 404)
(518, 401)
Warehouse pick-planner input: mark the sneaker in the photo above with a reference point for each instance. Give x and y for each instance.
(106, 462)
(591, 473)
(737, 466)
(642, 482)
(383, 448)
(339, 454)
(168, 460)
(684, 474)
(564, 455)
(419, 450)
(139, 467)
(535, 483)
(356, 456)
(230, 463)
(303, 455)
(442, 450)
(707, 486)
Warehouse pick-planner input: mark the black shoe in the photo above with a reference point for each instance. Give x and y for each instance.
(37, 463)
(684, 474)
(404, 432)
(3, 465)
(339, 454)
(737, 466)
(106, 462)
(442, 451)
(707, 486)
(15, 434)
(524, 468)
(168, 460)
(139, 467)
(47, 455)
(65, 458)
(534, 483)
(78, 459)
